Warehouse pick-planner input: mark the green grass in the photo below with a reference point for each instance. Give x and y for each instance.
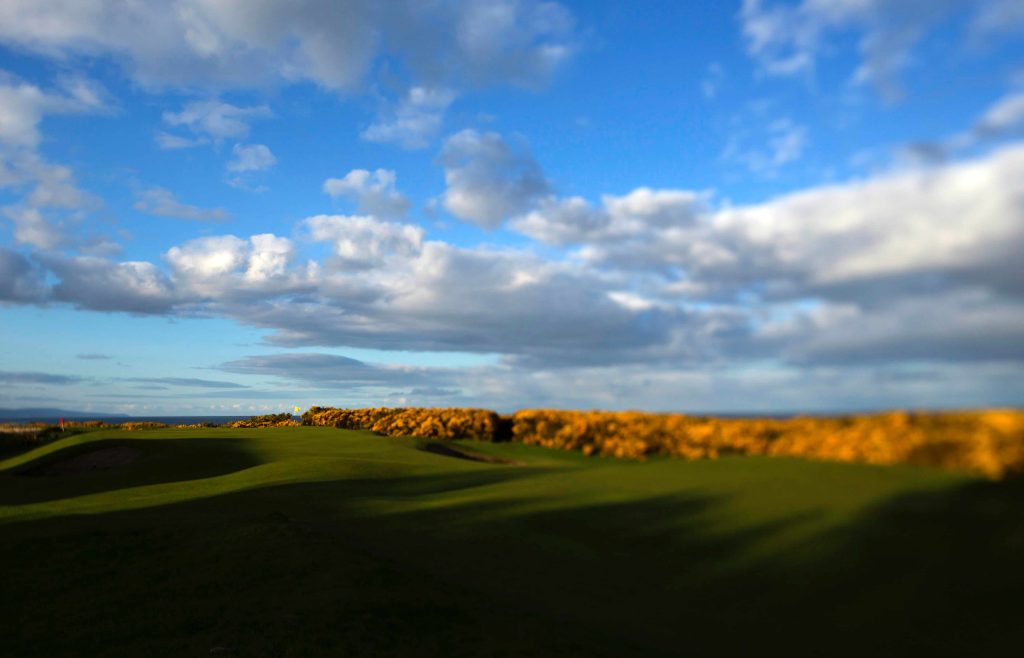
(322, 542)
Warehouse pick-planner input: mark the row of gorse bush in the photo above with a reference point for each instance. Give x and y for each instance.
(985, 442)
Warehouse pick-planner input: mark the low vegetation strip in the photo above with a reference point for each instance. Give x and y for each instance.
(472, 424)
(984, 442)
(989, 443)
(269, 420)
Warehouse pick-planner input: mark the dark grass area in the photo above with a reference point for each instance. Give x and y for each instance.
(347, 544)
(14, 443)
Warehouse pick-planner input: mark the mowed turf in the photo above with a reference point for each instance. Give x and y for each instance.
(321, 542)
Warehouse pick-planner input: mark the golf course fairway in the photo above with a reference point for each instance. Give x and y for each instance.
(311, 541)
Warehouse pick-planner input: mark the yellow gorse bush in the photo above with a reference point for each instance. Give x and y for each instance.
(475, 424)
(989, 443)
(268, 420)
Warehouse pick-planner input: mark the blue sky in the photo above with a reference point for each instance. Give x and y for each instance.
(736, 206)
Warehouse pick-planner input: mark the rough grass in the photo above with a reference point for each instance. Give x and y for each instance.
(313, 541)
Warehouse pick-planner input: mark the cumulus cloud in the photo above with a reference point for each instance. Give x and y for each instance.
(957, 223)
(415, 121)
(225, 267)
(960, 220)
(477, 300)
(374, 192)
(252, 157)
(363, 241)
(573, 220)
(911, 266)
(220, 44)
(161, 202)
(98, 284)
(488, 179)
(21, 280)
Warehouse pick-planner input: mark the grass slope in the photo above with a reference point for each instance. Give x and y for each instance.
(314, 541)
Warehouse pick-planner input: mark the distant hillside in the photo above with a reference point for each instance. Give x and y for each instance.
(53, 414)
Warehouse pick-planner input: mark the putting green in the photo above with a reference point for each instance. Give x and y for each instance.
(314, 541)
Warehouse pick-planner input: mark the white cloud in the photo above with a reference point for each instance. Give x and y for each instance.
(162, 202)
(362, 241)
(171, 142)
(374, 192)
(573, 221)
(215, 119)
(916, 269)
(251, 157)
(55, 187)
(513, 40)
(488, 179)
(21, 110)
(33, 228)
(208, 258)
(269, 257)
(202, 43)
(415, 121)
(956, 225)
(23, 105)
(227, 267)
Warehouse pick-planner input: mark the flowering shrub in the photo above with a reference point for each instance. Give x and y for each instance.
(990, 443)
(269, 420)
(475, 424)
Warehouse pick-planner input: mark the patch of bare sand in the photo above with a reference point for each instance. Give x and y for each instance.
(102, 459)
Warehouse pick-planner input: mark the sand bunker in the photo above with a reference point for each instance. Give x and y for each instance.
(102, 459)
(448, 451)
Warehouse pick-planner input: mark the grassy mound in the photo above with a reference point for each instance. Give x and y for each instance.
(309, 541)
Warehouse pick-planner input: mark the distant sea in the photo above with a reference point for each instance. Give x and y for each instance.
(169, 420)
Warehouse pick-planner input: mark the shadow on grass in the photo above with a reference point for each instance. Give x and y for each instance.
(446, 449)
(419, 566)
(145, 462)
